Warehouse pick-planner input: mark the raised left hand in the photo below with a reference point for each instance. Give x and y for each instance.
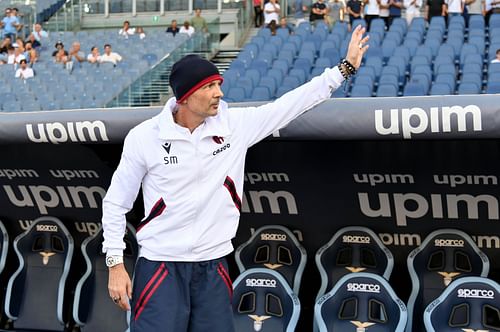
(357, 46)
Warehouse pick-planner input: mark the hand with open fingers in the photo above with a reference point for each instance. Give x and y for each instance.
(120, 286)
(357, 46)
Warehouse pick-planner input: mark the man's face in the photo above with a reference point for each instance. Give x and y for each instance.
(38, 27)
(283, 22)
(107, 50)
(197, 12)
(24, 65)
(28, 47)
(174, 24)
(204, 102)
(76, 47)
(498, 55)
(7, 13)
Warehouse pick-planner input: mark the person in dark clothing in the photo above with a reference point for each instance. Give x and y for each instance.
(434, 8)
(318, 11)
(173, 28)
(395, 7)
(354, 8)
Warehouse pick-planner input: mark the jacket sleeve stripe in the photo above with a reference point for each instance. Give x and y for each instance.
(157, 210)
(229, 184)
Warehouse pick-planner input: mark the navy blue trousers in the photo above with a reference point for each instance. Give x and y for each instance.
(181, 297)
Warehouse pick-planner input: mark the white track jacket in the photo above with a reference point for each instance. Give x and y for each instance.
(192, 183)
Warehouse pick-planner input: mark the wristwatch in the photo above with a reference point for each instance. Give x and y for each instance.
(113, 260)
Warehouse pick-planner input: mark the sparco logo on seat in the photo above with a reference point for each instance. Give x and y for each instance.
(261, 283)
(367, 288)
(46, 228)
(272, 237)
(355, 239)
(449, 243)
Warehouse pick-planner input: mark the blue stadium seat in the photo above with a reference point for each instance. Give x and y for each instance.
(271, 48)
(260, 93)
(299, 74)
(269, 83)
(283, 33)
(364, 80)
(286, 257)
(376, 64)
(443, 256)
(388, 47)
(414, 89)
(260, 65)
(387, 90)
(282, 90)
(440, 89)
(281, 65)
(254, 75)
(361, 91)
(474, 78)
(333, 54)
(291, 81)
(246, 84)
(448, 79)
(276, 41)
(290, 46)
(277, 75)
(264, 33)
(493, 87)
(231, 76)
(389, 79)
(264, 306)
(467, 304)
(349, 306)
(287, 55)
(35, 292)
(468, 89)
(323, 62)
(235, 94)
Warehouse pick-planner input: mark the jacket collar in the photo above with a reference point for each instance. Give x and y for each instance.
(214, 126)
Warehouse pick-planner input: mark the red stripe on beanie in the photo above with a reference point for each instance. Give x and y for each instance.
(199, 85)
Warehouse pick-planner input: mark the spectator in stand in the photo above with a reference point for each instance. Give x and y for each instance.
(11, 55)
(126, 30)
(354, 9)
(140, 31)
(35, 43)
(76, 55)
(61, 56)
(372, 11)
(453, 8)
(10, 23)
(273, 27)
(15, 13)
(299, 10)
(474, 7)
(173, 28)
(434, 8)
(110, 56)
(30, 53)
(4, 46)
(394, 10)
(284, 25)
(384, 12)
(198, 22)
(59, 46)
(497, 59)
(39, 34)
(491, 7)
(271, 12)
(24, 72)
(258, 5)
(318, 11)
(187, 29)
(94, 56)
(19, 53)
(412, 9)
(336, 10)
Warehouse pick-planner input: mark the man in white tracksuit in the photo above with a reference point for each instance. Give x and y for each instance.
(190, 160)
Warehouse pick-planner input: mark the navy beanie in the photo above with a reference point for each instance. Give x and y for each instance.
(189, 74)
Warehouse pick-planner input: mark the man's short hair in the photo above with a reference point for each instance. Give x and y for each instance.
(92, 48)
(498, 51)
(126, 22)
(23, 61)
(107, 45)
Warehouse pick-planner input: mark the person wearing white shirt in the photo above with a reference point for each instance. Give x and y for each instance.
(24, 72)
(126, 30)
(271, 12)
(372, 11)
(384, 12)
(109, 56)
(454, 7)
(94, 56)
(412, 9)
(189, 161)
(187, 29)
(497, 59)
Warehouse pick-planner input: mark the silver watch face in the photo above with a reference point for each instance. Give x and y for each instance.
(110, 261)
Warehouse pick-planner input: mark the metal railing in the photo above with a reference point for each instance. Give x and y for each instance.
(152, 88)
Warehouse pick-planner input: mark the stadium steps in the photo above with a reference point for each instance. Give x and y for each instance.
(223, 59)
(64, 19)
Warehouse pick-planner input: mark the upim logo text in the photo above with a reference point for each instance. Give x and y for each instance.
(415, 120)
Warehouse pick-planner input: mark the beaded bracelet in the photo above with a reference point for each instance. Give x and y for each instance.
(352, 70)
